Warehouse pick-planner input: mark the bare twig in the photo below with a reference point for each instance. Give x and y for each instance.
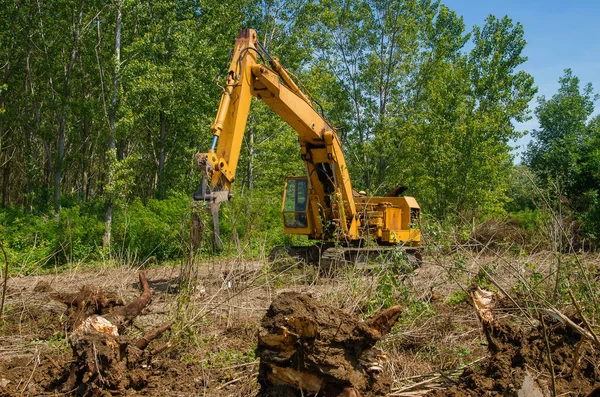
(239, 365)
(161, 349)
(584, 319)
(97, 364)
(564, 233)
(418, 384)
(5, 284)
(36, 361)
(548, 355)
(232, 381)
(53, 362)
(429, 383)
(497, 285)
(566, 320)
(576, 357)
(416, 393)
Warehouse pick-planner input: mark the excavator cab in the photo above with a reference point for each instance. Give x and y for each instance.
(295, 206)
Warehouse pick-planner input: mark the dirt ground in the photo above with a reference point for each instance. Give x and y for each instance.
(438, 347)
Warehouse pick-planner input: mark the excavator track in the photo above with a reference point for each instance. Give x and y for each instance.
(330, 258)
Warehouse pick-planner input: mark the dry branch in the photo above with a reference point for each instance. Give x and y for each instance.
(557, 315)
(125, 314)
(584, 319)
(384, 321)
(548, 355)
(143, 342)
(161, 349)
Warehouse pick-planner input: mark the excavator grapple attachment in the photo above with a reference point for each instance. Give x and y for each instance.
(214, 198)
(214, 211)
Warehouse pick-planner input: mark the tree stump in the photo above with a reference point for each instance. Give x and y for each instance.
(104, 359)
(308, 348)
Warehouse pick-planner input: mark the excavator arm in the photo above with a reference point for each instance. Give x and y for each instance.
(329, 185)
(321, 205)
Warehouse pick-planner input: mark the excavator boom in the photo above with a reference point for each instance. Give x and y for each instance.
(322, 204)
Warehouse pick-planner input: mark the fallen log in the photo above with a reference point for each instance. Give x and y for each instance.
(308, 348)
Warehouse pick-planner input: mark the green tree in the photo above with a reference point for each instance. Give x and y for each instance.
(271, 151)
(415, 107)
(564, 153)
(589, 181)
(436, 117)
(555, 151)
(169, 91)
(366, 54)
(502, 94)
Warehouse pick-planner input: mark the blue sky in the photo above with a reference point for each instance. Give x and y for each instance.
(560, 34)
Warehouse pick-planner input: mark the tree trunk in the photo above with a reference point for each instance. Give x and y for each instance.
(112, 122)
(251, 157)
(29, 178)
(6, 171)
(82, 174)
(58, 161)
(5, 184)
(162, 156)
(27, 196)
(64, 111)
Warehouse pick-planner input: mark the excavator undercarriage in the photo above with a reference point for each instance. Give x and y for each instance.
(330, 258)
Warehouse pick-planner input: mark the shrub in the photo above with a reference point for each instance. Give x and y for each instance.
(77, 235)
(38, 240)
(29, 239)
(528, 219)
(156, 229)
(591, 217)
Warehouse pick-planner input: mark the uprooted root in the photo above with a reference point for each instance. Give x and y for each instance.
(308, 348)
(103, 358)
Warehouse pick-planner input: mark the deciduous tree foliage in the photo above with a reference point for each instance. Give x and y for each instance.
(103, 104)
(64, 108)
(565, 150)
(416, 106)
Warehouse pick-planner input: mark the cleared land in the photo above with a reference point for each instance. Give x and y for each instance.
(438, 345)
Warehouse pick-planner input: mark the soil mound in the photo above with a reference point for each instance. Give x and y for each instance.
(519, 363)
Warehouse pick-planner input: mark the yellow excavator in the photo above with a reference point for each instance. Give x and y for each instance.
(321, 204)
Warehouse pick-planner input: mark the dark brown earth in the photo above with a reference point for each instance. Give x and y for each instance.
(216, 323)
(519, 364)
(36, 357)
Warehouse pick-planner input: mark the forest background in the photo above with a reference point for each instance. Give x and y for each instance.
(104, 104)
